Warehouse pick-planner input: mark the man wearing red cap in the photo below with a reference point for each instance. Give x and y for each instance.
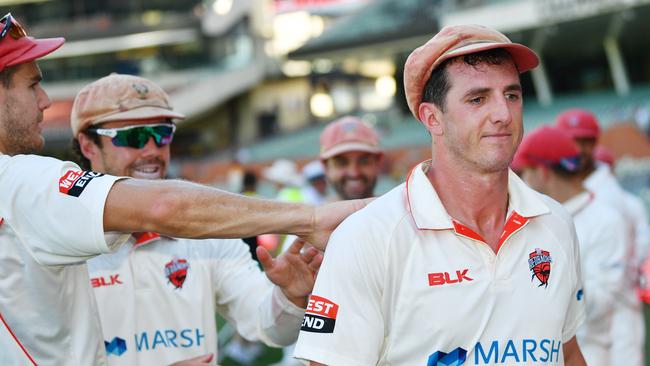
(56, 216)
(351, 155)
(549, 161)
(628, 330)
(464, 263)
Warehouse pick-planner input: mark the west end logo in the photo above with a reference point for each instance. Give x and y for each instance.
(176, 271)
(539, 262)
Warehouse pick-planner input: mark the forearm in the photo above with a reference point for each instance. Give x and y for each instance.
(183, 209)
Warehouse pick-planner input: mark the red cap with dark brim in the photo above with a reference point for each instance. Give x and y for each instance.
(25, 49)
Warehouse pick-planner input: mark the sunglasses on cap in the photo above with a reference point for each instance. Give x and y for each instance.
(11, 27)
(138, 136)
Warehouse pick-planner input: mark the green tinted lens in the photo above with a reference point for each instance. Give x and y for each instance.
(137, 137)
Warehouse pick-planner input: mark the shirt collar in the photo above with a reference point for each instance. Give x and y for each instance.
(429, 214)
(578, 202)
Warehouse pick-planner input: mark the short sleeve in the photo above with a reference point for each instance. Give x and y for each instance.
(343, 322)
(576, 311)
(55, 209)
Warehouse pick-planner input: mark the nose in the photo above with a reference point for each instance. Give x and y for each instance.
(353, 169)
(44, 101)
(501, 112)
(150, 148)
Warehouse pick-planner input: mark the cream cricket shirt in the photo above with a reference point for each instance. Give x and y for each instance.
(600, 229)
(158, 297)
(52, 222)
(402, 283)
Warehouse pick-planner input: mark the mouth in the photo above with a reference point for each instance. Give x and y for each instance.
(147, 171)
(497, 136)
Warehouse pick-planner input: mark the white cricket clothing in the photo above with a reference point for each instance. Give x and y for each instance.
(52, 222)
(157, 301)
(628, 325)
(600, 229)
(403, 283)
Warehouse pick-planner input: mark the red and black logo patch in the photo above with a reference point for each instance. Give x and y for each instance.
(176, 272)
(320, 315)
(539, 262)
(73, 182)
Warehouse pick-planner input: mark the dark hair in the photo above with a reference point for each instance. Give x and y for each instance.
(83, 162)
(7, 76)
(436, 88)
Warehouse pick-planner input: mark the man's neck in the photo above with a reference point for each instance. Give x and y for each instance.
(478, 201)
(563, 190)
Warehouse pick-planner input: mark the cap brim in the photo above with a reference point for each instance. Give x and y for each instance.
(347, 147)
(525, 59)
(581, 133)
(42, 47)
(139, 114)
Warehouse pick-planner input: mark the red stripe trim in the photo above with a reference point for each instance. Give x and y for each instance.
(463, 230)
(144, 238)
(514, 224)
(17, 341)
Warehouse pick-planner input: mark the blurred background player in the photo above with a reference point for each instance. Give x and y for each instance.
(351, 155)
(315, 189)
(549, 161)
(157, 296)
(628, 325)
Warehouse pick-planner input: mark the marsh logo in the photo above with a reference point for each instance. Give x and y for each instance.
(168, 338)
(454, 358)
(116, 347)
(502, 352)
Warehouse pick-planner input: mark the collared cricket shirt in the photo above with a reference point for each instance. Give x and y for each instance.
(403, 283)
(52, 221)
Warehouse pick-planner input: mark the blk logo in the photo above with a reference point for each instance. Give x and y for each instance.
(454, 358)
(442, 278)
(116, 347)
(106, 281)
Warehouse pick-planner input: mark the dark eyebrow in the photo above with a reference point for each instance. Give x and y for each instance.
(477, 91)
(513, 87)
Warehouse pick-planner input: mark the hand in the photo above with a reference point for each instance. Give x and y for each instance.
(196, 361)
(327, 217)
(292, 271)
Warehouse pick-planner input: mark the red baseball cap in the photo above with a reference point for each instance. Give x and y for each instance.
(348, 134)
(547, 146)
(579, 123)
(16, 47)
(454, 41)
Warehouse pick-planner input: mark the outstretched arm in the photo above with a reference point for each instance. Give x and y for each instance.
(183, 209)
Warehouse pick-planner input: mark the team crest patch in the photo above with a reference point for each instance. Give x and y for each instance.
(539, 262)
(176, 271)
